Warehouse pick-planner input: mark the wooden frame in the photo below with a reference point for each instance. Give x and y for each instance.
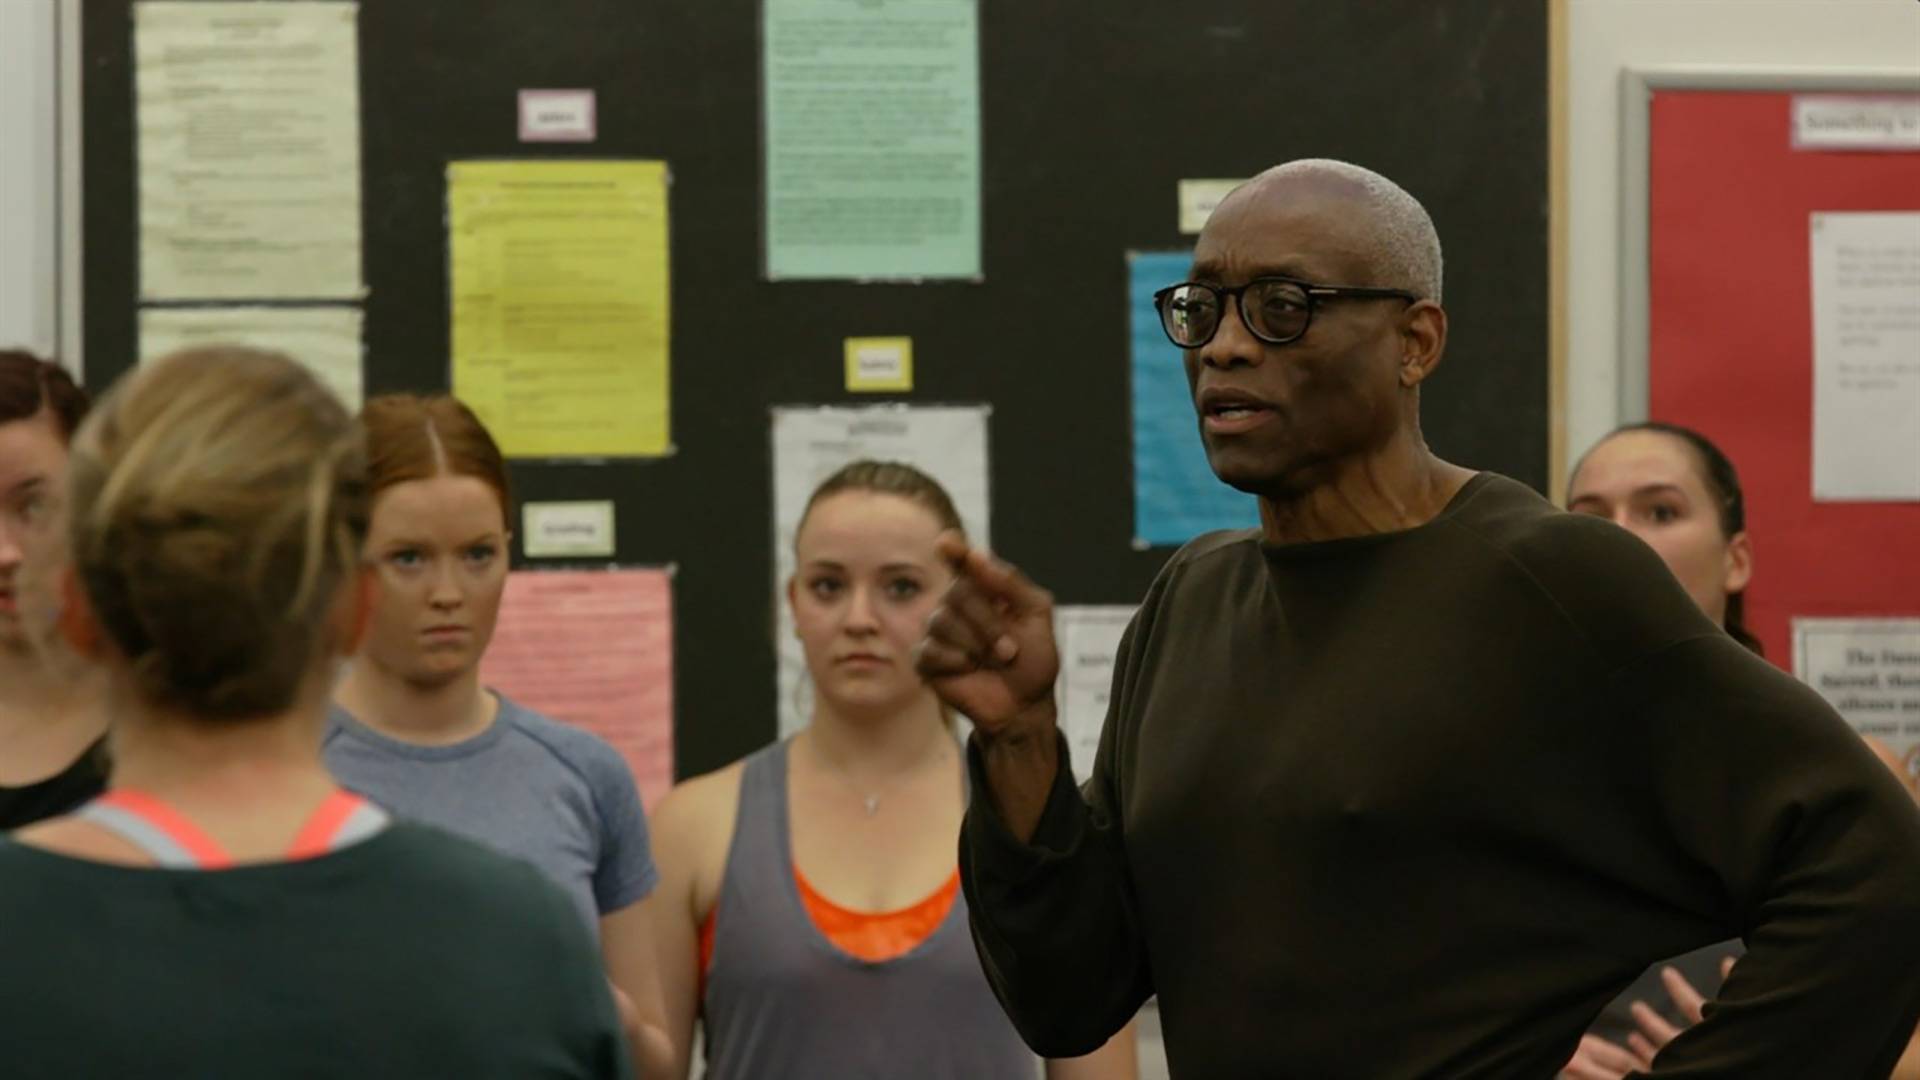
(1559, 266)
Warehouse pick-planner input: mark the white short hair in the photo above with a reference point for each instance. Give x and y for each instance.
(1399, 235)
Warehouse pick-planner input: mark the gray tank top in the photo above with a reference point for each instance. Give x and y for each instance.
(781, 1000)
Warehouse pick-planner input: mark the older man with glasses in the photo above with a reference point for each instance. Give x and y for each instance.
(1411, 780)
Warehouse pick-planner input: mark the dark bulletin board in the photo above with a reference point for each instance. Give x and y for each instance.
(1730, 343)
(1091, 114)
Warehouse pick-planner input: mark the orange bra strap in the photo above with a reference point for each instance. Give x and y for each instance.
(317, 836)
(171, 823)
(174, 840)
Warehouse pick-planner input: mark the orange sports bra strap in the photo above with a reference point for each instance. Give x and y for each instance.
(126, 810)
(175, 841)
(318, 835)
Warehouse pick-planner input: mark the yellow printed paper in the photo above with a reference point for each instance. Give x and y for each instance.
(559, 290)
(879, 363)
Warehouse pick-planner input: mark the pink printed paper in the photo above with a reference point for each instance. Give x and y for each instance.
(594, 648)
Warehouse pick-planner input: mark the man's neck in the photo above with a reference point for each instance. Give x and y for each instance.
(426, 713)
(1402, 486)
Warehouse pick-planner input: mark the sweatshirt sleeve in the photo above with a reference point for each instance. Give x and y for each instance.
(1055, 921)
(1766, 817)
(1815, 848)
(585, 1002)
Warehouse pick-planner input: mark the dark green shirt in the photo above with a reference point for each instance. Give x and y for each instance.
(1419, 804)
(413, 954)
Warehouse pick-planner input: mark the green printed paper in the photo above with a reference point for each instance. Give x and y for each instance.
(872, 138)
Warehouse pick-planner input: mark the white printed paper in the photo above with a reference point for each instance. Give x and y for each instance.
(1869, 669)
(1089, 642)
(325, 340)
(948, 443)
(1856, 122)
(1866, 356)
(248, 121)
(567, 529)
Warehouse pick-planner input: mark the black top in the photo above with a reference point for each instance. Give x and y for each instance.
(1419, 804)
(64, 791)
(411, 954)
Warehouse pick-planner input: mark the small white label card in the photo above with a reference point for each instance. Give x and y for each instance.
(1856, 122)
(568, 529)
(557, 116)
(1197, 200)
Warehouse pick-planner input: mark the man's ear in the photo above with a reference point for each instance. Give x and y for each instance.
(1423, 339)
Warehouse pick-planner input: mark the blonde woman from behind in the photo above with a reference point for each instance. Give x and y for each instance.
(225, 908)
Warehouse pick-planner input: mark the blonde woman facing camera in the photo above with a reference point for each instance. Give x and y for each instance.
(226, 909)
(415, 731)
(812, 918)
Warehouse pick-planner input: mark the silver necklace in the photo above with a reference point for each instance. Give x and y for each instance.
(869, 800)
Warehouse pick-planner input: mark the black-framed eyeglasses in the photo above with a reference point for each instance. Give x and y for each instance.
(1276, 310)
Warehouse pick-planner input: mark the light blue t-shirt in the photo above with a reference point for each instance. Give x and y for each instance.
(528, 786)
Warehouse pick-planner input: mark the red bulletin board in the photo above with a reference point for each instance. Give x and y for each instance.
(1730, 346)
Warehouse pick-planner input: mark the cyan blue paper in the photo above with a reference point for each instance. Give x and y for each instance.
(1176, 497)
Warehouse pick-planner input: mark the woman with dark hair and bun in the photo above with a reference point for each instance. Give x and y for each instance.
(1672, 487)
(52, 731)
(226, 909)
